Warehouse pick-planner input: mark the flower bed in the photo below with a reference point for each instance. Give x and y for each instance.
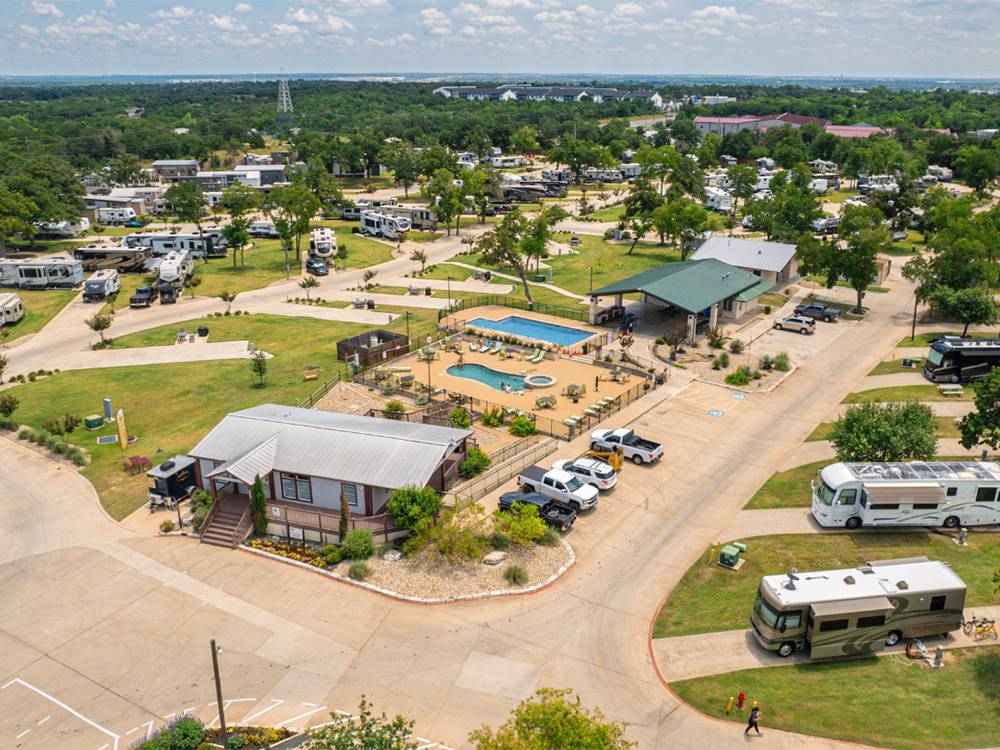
(250, 738)
(297, 552)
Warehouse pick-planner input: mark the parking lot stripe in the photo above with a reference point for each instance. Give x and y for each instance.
(26, 731)
(300, 716)
(274, 704)
(225, 705)
(43, 720)
(77, 714)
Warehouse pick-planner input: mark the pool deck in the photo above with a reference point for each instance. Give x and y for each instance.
(496, 312)
(563, 369)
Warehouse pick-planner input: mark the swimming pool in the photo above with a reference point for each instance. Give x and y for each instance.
(486, 376)
(536, 330)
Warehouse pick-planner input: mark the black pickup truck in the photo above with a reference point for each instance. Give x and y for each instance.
(556, 514)
(144, 297)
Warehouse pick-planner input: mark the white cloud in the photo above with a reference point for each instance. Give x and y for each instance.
(226, 23)
(301, 15)
(177, 12)
(588, 11)
(286, 28)
(435, 21)
(29, 30)
(335, 23)
(511, 4)
(469, 9)
(110, 4)
(725, 13)
(40, 8)
(629, 10)
(242, 8)
(555, 16)
(362, 7)
(403, 38)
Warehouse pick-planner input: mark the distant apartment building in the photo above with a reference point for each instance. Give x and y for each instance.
(172, 169)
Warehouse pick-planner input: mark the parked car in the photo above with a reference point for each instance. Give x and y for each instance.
(591, 471)
(168, 293)
(796, 323)
(818, 311)
(144, 297)
(559, 485)
(134, 224)
(317, 266)
(641, 451)
(556, 514)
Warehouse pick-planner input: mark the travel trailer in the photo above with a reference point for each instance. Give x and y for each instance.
(11, 308)
(718, 200)
(60, 229)
(378, 224)
(918, 493)
(100, 285)
(176, 269)
(857, 611)
(353, 212)
(630, 171)
(956, 360)
(163, 243)
(421, 217)
(119, 257)
(115, 216)
(323, 243)
(48, 273)
(558, 175)
(508, 162)
(264, 229)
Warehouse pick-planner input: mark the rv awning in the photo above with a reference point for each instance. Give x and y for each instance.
(852, 606)
(900, 492)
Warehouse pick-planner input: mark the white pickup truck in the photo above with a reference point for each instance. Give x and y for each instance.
(641, 451)
(559, 485)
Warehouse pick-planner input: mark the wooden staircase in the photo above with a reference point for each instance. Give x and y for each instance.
(228, 522)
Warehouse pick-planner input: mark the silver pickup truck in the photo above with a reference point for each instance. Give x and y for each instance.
(559, 485)
(638, 449)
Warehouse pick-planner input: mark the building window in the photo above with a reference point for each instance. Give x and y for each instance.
(350, 491)
(825, 627)
(871, 621)
(937, 603)
(727, 304)
(295, 487)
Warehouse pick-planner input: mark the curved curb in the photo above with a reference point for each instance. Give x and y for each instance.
(389, 593)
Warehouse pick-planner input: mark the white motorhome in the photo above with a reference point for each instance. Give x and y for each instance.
(263, 229)
(918, 493)
(115, 215)
(353, 213)
(379, 224)
(630, 171)
(176, 269)
(101, 284)
(818, 185)
(558, 175)
(11, 309)
(421, 217)
(51, 272)
(857, 611)
(718, 200)
(508, 162)
(323, 243)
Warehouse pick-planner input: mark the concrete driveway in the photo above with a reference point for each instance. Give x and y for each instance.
(104, 631)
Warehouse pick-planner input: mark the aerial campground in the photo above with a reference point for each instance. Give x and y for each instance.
(499, 375)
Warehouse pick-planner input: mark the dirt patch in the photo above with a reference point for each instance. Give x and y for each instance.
(700, 362)
(348, 398)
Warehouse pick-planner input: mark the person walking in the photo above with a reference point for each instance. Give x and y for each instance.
(752, 721)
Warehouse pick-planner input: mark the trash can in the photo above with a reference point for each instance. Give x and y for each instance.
(487, 275)
(428, 292)
(203, 331)
(371, 304)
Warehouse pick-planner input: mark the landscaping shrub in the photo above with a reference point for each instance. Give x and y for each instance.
(521, 426)
(167, 526)
(394, 409)
(736, 346)
(235, 742)
(474, 464)
(767, 362)
(781, 362)
(25, 434)
(715, 338)
(8, 424)
(492, 418)
(521, 524)
(767, 309)
(515, 575)
(188, 733)
(332, 555)
(8, 405)
(549, 537)
(458, 533)
(410, 505)
(359, 570)
(70, 422)
(737, 378)
(77, 456)
(201, 503)
(53, 425)
(358, 545)
(757, 375)
(460, 418)
(721, 362)
(499, 541)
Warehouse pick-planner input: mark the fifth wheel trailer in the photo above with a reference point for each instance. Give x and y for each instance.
(41, 273)
(857, 611)
(11, 308)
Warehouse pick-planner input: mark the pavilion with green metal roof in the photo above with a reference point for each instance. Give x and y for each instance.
(703, 288)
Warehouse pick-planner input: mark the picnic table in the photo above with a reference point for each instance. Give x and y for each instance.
(138, 463)
(952, 389)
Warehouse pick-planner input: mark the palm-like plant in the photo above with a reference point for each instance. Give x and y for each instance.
(309, 282)
(228, 297)
(99, 324)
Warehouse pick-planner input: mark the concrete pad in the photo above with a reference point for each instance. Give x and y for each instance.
(498, 675)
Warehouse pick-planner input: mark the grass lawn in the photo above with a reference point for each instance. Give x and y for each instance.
(946, 428)
(710, 598)
(904, 393)
(906, 706)
(839, 196)
(40, 306)
(361, 251)
(608, 260)
(893, 366)
(423, 236)
(870, 288)
(773, 299)
(924, 340)
(608, 213)
(171, 407)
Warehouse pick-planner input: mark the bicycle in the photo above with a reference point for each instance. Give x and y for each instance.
(971, 624)
(985, 629)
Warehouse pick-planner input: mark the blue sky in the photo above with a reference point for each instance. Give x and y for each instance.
(786, 37)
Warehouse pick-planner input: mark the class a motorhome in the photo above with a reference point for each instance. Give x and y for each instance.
(118, 257)
(115, 215)
(323, 243)
(952, 359)
(11, 308)
(176, 269)
(857, 611)
(45, 273)
(101, 284)
(918, 493)
(378, 224)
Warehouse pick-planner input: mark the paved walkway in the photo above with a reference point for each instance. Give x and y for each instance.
(550, 287)
(470, 285)
(150, 355)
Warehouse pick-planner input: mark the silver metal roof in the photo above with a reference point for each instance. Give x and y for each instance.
(759, 255)
(925, 470)
(363, 450)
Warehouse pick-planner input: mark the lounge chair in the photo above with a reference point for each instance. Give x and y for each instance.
(473, 347)
(537, 357)
(497, 346)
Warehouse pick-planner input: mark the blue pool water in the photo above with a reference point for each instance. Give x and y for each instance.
(486, 376)
(536, 330)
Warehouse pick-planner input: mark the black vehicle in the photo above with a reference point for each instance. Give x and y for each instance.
(171, 481)
(144, 297)
(818, 311)
(316, 266)
(956, 360)
(168, 294)
(556, 514)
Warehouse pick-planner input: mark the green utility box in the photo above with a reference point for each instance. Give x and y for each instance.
(730, 554)
(93, 422)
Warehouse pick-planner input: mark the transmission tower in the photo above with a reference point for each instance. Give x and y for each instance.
(286, 113)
